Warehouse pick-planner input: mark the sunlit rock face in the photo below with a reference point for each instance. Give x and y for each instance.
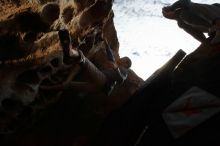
(35, 80)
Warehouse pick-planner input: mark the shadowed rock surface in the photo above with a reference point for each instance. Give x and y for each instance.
(38, 105)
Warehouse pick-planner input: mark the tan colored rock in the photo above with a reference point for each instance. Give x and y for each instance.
(32, 59)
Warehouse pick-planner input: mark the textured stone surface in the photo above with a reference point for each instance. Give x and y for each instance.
(32, 57)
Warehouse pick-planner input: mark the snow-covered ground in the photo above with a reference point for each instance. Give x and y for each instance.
(148, 38)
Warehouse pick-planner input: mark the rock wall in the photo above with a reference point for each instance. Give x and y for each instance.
(38, 104)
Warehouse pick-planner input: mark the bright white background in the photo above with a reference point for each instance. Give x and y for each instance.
(148, 38)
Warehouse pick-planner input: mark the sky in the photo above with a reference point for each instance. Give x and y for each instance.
(146, 37)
